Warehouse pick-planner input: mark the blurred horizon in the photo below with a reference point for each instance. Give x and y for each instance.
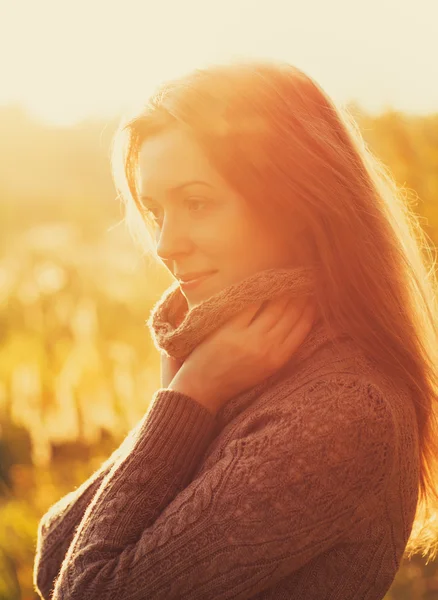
(66, 62)
(353, 105)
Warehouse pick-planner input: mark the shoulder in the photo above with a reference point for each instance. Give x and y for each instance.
(339, 371)
(333, 438)
(337, 406)
(337, 394)
(338, 401)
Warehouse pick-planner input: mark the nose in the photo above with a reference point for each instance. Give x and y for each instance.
(172, 240)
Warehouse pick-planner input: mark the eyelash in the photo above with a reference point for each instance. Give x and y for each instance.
(149, 211)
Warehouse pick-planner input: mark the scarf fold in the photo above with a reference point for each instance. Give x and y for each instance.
(176, 330)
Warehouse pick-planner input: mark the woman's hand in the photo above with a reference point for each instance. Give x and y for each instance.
(169, 368)
(249, 348)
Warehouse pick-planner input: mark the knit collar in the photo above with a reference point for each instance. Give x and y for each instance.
(176, 330)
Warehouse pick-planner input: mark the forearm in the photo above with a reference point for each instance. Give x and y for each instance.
(56, 530)
(57, 527)
(173, 437)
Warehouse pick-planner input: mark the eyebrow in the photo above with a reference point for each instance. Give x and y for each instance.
(178, 188)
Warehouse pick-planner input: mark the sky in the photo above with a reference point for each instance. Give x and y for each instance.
(68, 60)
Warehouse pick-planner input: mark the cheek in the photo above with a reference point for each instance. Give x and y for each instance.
(233, 233)
(251, 245)
(222, 234)
(245, 232)
(232, 236)
(236, 239)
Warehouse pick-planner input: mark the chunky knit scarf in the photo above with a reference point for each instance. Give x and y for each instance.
(176, 330)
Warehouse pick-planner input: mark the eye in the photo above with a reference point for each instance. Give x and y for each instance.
(196, 202)
(196, 205)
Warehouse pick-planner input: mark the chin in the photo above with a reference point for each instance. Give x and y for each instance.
(201, 293)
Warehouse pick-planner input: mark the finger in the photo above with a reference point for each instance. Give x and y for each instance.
(299, 330)
(278, 328)
(245, 317)
(269, 315)
(290, 315)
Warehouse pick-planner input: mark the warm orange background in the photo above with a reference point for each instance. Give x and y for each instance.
(77, 367)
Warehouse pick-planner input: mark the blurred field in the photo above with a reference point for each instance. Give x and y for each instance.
(77, 367)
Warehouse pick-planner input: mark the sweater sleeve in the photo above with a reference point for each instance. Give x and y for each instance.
(299, 481)
(57, 526)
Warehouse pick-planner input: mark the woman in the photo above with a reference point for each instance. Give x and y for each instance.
(291, 449)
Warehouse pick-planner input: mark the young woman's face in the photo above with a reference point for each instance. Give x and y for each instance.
(202, 223)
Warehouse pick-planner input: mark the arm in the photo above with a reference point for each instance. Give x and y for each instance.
(56, 528)
(238, 528)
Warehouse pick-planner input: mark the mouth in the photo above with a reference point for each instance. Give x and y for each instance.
(194, 283)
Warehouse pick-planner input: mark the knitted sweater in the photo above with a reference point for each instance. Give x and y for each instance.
(304, 486)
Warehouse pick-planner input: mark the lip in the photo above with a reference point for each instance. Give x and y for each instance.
(194, 283)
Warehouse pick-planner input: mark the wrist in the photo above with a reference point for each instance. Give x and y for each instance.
(192, 388)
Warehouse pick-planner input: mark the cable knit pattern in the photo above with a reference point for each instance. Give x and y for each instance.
(304, 486)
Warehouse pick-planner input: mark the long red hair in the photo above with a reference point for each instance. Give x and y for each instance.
(279, 140)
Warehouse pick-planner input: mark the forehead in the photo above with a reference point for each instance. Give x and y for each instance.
(170, 158)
